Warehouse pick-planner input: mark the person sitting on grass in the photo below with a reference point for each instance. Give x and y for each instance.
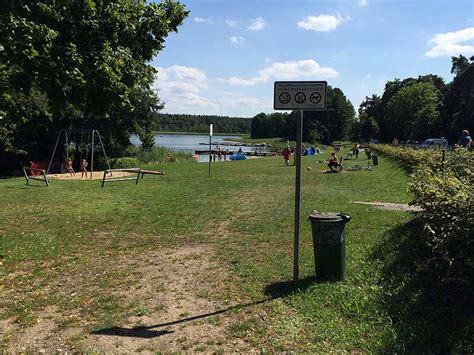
(83, 168)
(333, 162)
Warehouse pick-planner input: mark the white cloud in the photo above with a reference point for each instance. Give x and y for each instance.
(232, 23)
(447, 44)
(237, 40)
(205, 20)
(180, 85)
(185, 90)
(322, 23)
(362, 3)
(256, 24)
(285, 71)
(238, 81)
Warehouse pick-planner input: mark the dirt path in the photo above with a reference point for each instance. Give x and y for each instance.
(391, 206)
(175, 293)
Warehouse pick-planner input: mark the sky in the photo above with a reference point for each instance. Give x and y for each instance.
(228, 53)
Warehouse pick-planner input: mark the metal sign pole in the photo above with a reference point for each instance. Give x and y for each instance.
(210, 149)
(299, 138)
(92, 153)
(300, 96)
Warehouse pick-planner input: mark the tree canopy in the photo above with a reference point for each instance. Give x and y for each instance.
(79, 64)
(420, 108)
(318, 126)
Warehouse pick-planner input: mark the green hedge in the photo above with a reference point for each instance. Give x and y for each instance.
(124, 163)
(445, 192)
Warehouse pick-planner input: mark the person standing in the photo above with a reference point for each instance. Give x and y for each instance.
(69, 167)
(83, 168)
(465, 140)
(287, 155)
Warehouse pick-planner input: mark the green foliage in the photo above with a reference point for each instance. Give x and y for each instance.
(158, 155)
(365, 129)
(200, 123)
(424, 107)
(413, 112)
(124, 163)
(79, 64)
(323, 126)
(444, 191)
(458, 113)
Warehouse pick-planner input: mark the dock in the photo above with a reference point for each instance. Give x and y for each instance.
(255, 154)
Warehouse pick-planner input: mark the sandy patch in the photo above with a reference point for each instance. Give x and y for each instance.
(391, 206)
(96, 175)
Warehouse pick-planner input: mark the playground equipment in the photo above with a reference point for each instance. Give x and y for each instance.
(138, 171)
(115, 179)
(87, 138)
(34, 175)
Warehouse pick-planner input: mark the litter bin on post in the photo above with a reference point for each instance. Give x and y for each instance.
(329, 245)
(375, 159)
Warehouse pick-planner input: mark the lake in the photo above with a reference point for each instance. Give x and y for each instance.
(190, 143)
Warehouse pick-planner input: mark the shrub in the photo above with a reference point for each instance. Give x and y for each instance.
(158, 155)
(124, 163)
(444, 191)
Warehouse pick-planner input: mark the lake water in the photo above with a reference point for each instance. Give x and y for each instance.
(190, 143)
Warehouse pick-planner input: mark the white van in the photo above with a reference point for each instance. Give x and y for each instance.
(435, 143)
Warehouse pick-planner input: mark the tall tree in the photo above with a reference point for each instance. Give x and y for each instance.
(413, 112)
(458, 113)
(81, 63)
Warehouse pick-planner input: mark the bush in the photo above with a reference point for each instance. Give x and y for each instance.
(124, 163)
(158, 155)
(445, 193)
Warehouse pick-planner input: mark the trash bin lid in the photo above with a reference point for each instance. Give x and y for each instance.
(329, 216)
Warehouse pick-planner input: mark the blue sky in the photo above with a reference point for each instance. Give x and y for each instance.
(228, 53)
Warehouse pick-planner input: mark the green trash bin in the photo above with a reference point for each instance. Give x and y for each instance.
(329, 245)
(375, 159)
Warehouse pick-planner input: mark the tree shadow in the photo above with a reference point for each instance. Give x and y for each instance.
(430, 306)
(275, 290)
(138, 332)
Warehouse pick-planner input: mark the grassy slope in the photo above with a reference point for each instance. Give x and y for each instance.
(245, 210)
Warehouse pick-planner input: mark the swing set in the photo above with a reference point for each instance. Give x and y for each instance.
(81, 141)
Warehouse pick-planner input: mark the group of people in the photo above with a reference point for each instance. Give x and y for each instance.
(83, 167)
(220, 154)
(287, 153)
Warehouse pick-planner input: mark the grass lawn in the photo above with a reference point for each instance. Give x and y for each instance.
(191, 262)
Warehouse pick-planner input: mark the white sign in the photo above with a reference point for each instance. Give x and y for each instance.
(210, 129)
(300, 95)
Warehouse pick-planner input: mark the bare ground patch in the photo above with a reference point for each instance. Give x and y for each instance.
(391, 206)
(176, 299)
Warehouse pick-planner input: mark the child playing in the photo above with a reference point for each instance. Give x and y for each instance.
(83, 168)
(68, 165)
(287, 155)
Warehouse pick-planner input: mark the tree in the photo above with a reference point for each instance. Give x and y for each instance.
(458, 113)
(73, 64)
(368, 128)
(413, 112)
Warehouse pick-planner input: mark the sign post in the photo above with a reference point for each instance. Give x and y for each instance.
(299, 95)
(210, 149)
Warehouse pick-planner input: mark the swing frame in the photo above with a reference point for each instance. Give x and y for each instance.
(68, 132)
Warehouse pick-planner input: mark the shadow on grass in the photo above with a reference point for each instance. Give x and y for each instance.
(431, 307)
(276, 290)
(285, 288)
(145, 332)
(138, 332)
